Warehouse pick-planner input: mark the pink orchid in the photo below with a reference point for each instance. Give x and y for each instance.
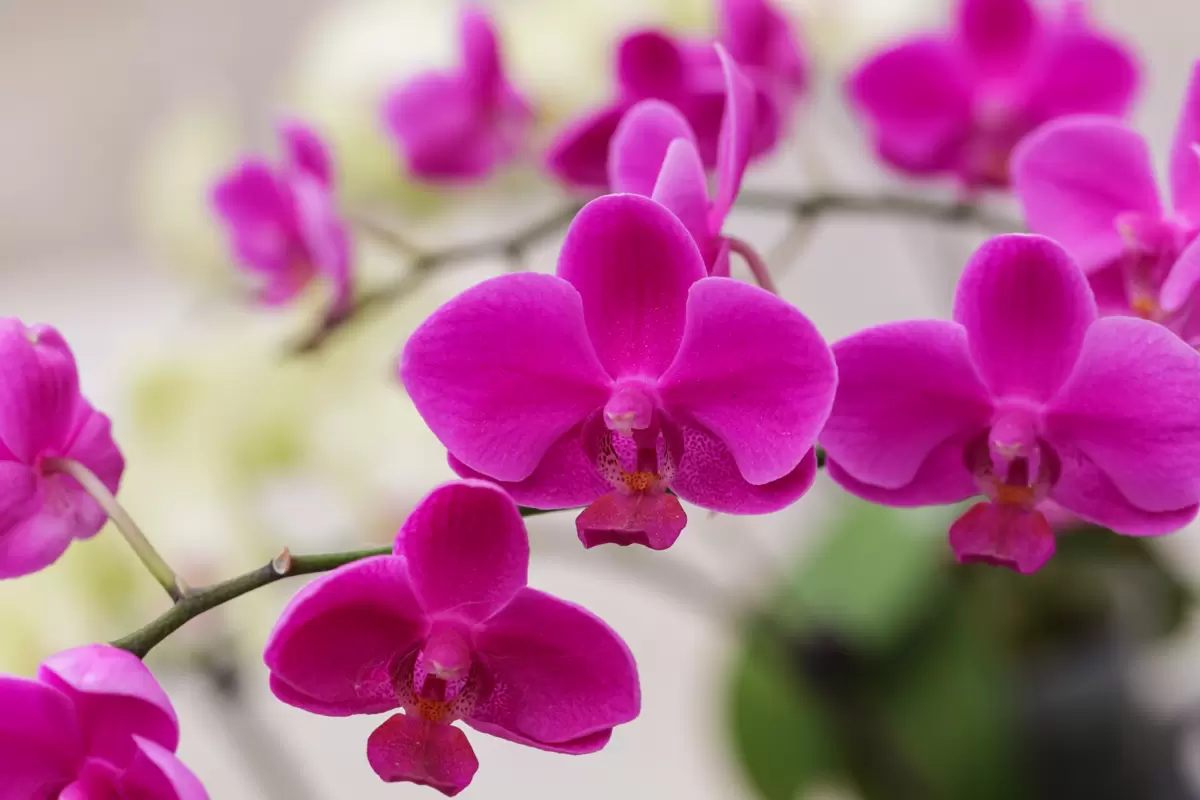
(651, 65)
(628, 373)
(283, 223)
(43, 417)
(461, 125)
(958, 102)
(1089, 183)
(1025, 396)
(654, 153)
(447, 629)
(94, 725)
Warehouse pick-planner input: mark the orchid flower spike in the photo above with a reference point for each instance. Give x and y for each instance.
(94, 724)
(461, 125)
(957, 102)
(654, 154)
(283, 222)
(627, 374)
(1025, 396)
(446, 629)
(44, 418)
(651, 65)
(1089, 183)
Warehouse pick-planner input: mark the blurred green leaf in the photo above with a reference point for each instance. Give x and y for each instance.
(951, 707)
(872, 576)
(779, 731)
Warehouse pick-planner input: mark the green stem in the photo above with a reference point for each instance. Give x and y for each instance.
(150, 558)
(286, 565)
(195, 602)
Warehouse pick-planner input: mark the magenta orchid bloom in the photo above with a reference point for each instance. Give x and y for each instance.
(43, 417)
(958, 102)
(283, 223)
(446, 629)
(654, 154)
(1089, 183)
(650, 65)
(94, 724)
(461, 125)
(1025, 396)
(628, 373)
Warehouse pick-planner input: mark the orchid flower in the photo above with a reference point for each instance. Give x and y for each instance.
(1089, 183)
(957, 102)
(94, 724)
(651, 65)
(461, 125)
(446, 629)
(1026, 396)
(654, 154)
(627, 374)
(44, 418)
(283, 221)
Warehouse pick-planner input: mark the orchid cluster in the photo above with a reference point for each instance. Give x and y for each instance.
(641, 378)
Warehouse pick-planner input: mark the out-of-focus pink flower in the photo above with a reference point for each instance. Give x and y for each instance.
(1089, 183)
(628, 373)
(446, 629)
(651, 65)
(43, 416)
(94, 724)
(1025, 396)
(283, 223)
(461, 125)
(654, 154)
(957, 103)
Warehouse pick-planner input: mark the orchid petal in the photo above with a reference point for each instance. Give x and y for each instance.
(335, 644)
(482, 70)
(755, 372)
(737, 131)
(904, 388)
(640, 144)
(707, 476)
(1185, 154)
(917, 102)
(650, 64)
(632, 262)
(654, 521)
(682, 188)
(157, 774)
(941, 479)
(304, 151)
(1026, 307)
(39, 389)
(1081, 72)
(503, 370)
(1001, 535)
(1084, 489)
(466, 548)
(564, 478)
(997, 34)
(1130, 408)
(559, 672)
(412, 750)
(40, 745)
(1182, 281)
(1075, 176)
(116, 699)
(578, 156)
(439, 127)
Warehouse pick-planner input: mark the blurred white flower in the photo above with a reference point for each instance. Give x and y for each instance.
(182, 156)
(839, 33)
